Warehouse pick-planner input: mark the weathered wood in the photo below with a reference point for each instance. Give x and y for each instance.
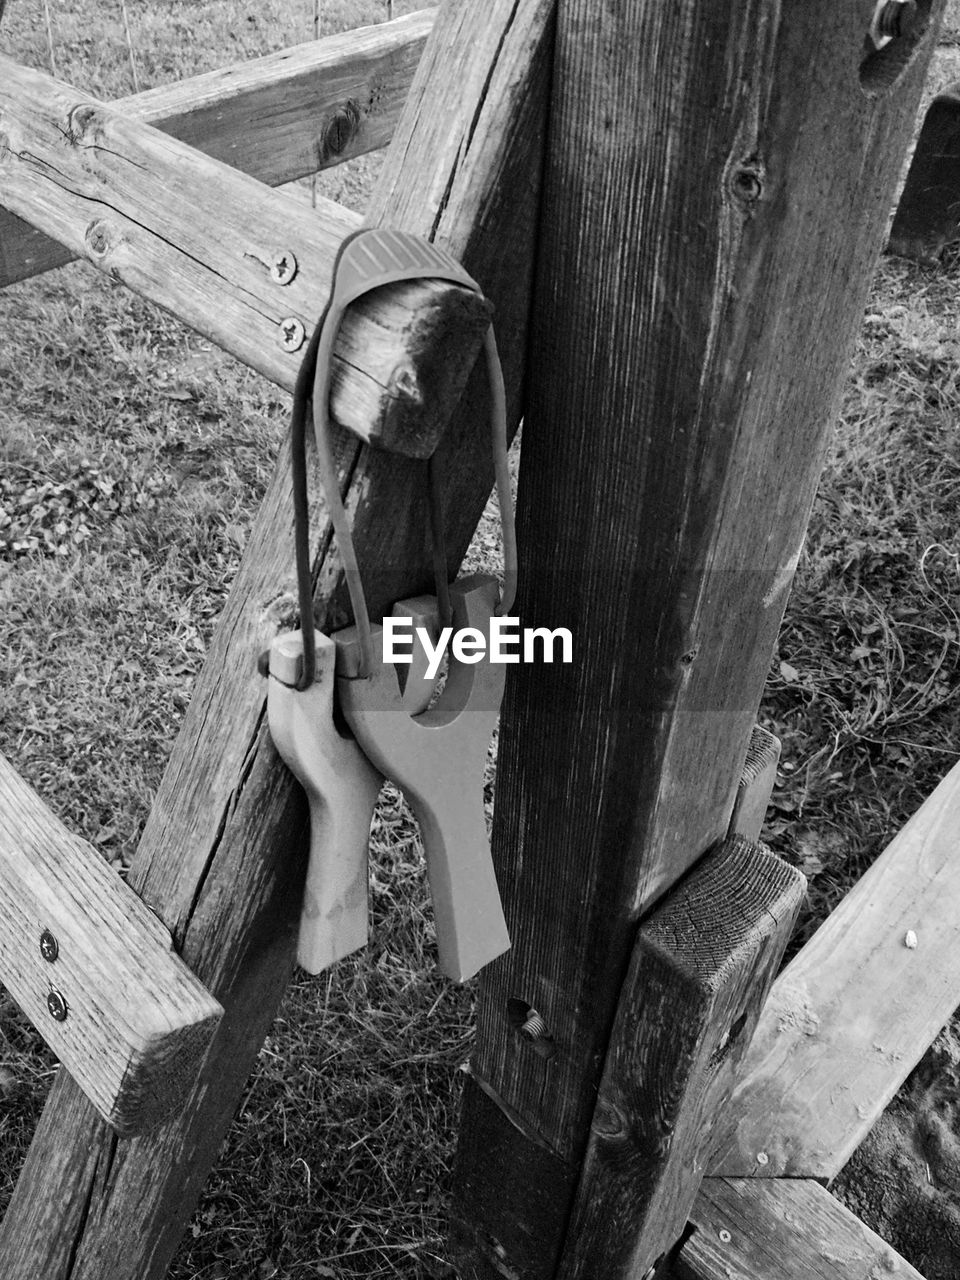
(205, 241)
(928, 212)
(93, 970)
(781, 1229)
(853, 1013)
(699, 974)
(756, 784)
(219, 856)
(276, 118)
(715, 196)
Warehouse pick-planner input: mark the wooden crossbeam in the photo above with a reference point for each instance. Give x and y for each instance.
(781, 1229)
(221, 859)
(276, 118)
(247, 266)
(852, 1014)
(93, 970)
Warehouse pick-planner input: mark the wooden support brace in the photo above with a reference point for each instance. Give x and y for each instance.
(221, 857)
(276, 118)
(700, 971)
(781, 1229)
(853, 1013)
(756, 784)
(93, 970)
(246, 266)
(928, 213)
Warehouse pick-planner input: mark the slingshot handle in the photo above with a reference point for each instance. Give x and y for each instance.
(342, 788)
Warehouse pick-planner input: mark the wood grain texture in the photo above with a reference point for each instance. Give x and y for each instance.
(705, 254)
(781, 1229)
(222, 856)
(757, 777)
(138, 1022)
(200, 239)
(853, 1013)
(699, 974)
(276, 118)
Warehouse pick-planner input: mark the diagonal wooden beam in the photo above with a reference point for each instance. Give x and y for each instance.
(92, 968)
(855, 1010)
(276, 118)
(247, 266)
(781, 1229)
(221, 859)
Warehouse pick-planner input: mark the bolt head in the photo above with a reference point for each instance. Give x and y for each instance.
(56, 1005)
(292, 334)
(284, 267)
(49, 947)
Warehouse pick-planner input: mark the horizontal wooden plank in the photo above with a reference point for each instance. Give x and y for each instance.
(93, 969)
(205, 241)
(781, 1229)
(700, 971)
(276, 118)
(852, 1014)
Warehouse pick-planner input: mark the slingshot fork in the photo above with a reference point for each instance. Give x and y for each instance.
(437, 759)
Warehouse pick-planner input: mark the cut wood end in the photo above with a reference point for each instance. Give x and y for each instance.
(160, 1077)
(440, 348)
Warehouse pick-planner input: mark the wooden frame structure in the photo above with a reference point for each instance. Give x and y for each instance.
(678, 252)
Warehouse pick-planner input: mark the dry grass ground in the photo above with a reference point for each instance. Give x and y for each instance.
(132, 459)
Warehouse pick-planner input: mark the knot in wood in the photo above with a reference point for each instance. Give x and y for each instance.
(340, 130)
(609, 1121)
(97, 237)
(82, 121)
(746, 181)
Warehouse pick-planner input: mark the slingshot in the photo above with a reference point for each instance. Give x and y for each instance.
(435, 754)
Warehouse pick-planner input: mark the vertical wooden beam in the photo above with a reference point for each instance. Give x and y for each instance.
(221, 857)
(718, 180)
(700, 971)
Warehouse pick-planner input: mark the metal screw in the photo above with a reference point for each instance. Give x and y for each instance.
(292, 334)
(762, 1158)
(284, 267)
(724, 1236)
(534, 1028)
(49, 947)
(57, 1005)
(897, 18)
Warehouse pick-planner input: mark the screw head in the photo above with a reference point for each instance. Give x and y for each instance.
(724, 1236)
(292, 334)
(56, 1005)
(284, 267)
(49, 946)
(762, 1158)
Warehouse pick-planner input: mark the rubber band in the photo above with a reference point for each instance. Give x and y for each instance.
(317, 367)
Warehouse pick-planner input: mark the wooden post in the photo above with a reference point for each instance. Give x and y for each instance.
(221, 858)
(718, 178)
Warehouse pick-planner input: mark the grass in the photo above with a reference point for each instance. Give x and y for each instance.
(132, 459)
